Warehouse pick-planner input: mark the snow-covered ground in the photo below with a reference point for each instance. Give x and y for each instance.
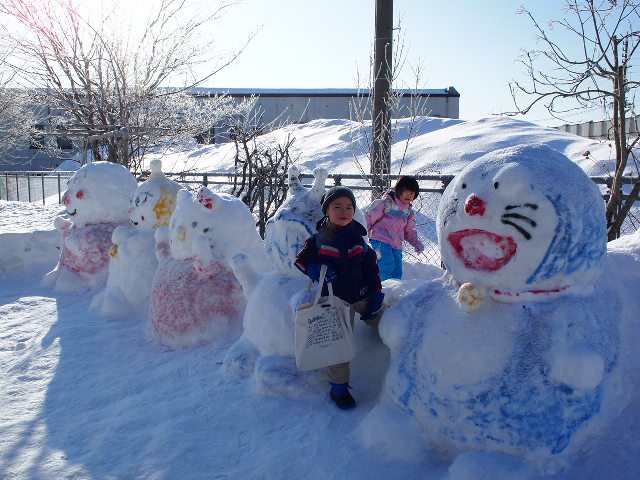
(84, 396)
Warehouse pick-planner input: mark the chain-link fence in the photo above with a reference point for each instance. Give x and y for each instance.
(47, 188)
(425, 206)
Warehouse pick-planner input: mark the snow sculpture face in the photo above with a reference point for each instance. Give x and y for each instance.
(523, 222)
(224, 219)
(187, 222)
(295, 220)
(99, 193)
(154, 200)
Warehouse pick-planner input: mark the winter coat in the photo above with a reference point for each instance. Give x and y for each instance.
(391, 221)
(345, 249)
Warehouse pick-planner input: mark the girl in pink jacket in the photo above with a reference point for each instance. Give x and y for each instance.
(390, 221)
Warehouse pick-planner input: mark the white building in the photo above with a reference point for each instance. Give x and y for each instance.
(284, 106)
(275, 107)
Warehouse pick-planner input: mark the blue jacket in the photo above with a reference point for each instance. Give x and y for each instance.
(345, 249)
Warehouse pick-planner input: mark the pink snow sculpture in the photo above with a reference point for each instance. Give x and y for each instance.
(133, 258)
(195, 297)
(96, 202)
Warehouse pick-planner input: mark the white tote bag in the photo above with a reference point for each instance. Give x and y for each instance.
(323, 332)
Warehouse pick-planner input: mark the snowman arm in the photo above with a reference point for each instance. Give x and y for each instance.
(573, 360)
(201, 250)
(62, 225)
(162, 243)
(122, 233)
(72, 243)
(581, 369)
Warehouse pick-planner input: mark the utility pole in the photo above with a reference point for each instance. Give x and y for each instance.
(381, 115)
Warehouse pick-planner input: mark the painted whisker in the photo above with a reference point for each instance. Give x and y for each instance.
(517, 216)
(524, 233)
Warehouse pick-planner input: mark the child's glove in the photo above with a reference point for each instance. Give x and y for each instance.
(374, 306)
(313, 272)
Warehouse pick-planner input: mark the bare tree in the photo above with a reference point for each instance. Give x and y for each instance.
(567, 79)
(107, 75)
(16, 116)
(261, 165)
(401, 117)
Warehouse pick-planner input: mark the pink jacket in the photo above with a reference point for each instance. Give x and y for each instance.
(391, 222)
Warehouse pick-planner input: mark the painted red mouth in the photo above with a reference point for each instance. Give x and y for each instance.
(482, 250)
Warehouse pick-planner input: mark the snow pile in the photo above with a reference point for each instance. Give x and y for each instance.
(426, 146)
(96, 200)
(28, 236)
(133, 259)
(530, 379)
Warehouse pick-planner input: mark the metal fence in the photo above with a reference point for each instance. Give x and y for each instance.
(35, 187)
(47, 188)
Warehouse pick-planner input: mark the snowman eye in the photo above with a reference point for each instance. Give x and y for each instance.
(495, 185)
(194, 224)
(464, 185)
(206, 230)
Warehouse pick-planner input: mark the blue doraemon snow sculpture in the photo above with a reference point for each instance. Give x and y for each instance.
(510, 350)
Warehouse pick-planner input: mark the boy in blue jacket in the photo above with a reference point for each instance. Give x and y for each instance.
(352, 271)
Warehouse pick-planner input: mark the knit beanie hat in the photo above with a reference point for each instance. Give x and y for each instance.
(336, 192)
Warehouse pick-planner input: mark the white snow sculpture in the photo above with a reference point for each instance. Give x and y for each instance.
(96, 201)
(195, 297)
(295, 220)
(522, 367)
(266, 348)
(133, 258)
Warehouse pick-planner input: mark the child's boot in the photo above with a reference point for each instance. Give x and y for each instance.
(340, 395)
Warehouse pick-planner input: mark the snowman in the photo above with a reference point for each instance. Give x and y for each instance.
(195, 297)
(96, 202)
(266, 348)
(133, 258)
(506, 353)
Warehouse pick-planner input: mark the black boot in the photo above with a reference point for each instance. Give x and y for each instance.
(340, 395)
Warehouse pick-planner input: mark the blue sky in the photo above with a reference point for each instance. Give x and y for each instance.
(468, 44)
